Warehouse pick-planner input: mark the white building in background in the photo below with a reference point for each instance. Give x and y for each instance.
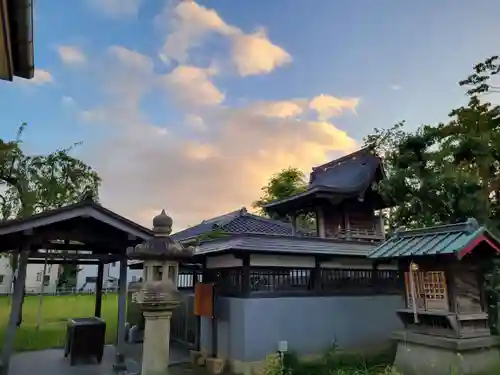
(87, 276)
(34, 275)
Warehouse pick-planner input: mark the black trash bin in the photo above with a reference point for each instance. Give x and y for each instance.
(85, 338)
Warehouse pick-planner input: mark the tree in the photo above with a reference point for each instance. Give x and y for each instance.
(36, 183)
(446, 172)
(30, 184)
(288, 182)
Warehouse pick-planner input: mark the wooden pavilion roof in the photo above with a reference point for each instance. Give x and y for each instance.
(83, 226)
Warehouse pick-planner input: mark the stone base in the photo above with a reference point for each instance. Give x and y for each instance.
(215, 366)
(135, 335)
(197, 358)
(434, 355)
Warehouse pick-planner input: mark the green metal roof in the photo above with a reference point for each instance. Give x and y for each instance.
(445, 239)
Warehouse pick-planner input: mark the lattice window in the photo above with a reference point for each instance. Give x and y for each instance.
(431, 292)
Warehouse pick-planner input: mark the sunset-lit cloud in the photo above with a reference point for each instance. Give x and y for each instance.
(190, 85)
(190, 23)
(42, 77)
(221, 152)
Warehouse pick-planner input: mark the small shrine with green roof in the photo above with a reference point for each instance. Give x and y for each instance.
(445, 318)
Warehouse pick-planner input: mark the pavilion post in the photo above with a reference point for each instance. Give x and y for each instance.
(98, 290)
(122, 305)
(17, 300)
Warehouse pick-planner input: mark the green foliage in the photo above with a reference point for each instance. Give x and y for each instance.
(445, 172)
(287, 183)
(331, 363)
(213, 235)
(290, 181)
(31, 184)
(36, 183)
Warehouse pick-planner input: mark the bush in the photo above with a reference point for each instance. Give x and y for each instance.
(331, 363)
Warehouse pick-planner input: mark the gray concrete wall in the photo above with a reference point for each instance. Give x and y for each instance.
(249, 329)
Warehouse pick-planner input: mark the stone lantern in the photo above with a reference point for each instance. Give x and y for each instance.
(158, 296)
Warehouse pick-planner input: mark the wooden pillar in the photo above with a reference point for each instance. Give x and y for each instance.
(294, 224)
(17, 300)
(375, 286)
(98, 290)
(347, 224)
(122, 305)
(245, 287)
(320, 222)
(316, 274)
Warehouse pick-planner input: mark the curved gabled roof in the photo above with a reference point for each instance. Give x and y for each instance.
(351, 174)
(235, 222)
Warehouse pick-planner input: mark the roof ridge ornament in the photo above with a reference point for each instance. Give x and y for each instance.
(471, 225)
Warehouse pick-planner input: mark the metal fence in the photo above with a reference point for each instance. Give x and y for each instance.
(48, 291)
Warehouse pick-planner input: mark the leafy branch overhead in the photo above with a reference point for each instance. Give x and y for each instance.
(36, 183)
(30, 184)
(288, 182)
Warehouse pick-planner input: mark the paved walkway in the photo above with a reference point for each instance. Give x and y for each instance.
(52, 362)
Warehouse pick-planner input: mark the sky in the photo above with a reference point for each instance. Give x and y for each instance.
(192, 106)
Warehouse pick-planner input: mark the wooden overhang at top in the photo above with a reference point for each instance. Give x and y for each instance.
(16, 39)
(83, 226)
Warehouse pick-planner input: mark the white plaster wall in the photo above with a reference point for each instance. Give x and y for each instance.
(132, 275)
(6, 272)
(110, 270)
(267, 260)
(34, 273)
(223, 261)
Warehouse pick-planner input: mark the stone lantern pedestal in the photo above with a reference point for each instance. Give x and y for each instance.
(158, 300)
(159, 296)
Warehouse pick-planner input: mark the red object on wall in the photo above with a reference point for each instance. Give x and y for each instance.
(204, 299)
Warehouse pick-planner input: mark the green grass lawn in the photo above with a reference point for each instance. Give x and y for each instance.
(56, 310)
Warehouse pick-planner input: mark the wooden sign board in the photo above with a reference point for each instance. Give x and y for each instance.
(204, 299)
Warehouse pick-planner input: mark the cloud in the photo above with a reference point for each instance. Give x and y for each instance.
(190, 23)
(191, 85)
(41, 77)
(67, 101)
(71, 55)
(328, 106)
(116, 8)
(324, 107)
(196, 123)
(197, 174)
(198, 179)
(395, 87)
(279, 109)
(255, 54)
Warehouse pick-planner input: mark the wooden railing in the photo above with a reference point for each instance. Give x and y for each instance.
(232, 281)
(355, 233)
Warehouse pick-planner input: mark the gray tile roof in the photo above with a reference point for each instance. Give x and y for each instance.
(285, 244)
(239, 221)
(351, 174)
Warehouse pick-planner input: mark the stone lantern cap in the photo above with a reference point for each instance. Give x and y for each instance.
(161, 247)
